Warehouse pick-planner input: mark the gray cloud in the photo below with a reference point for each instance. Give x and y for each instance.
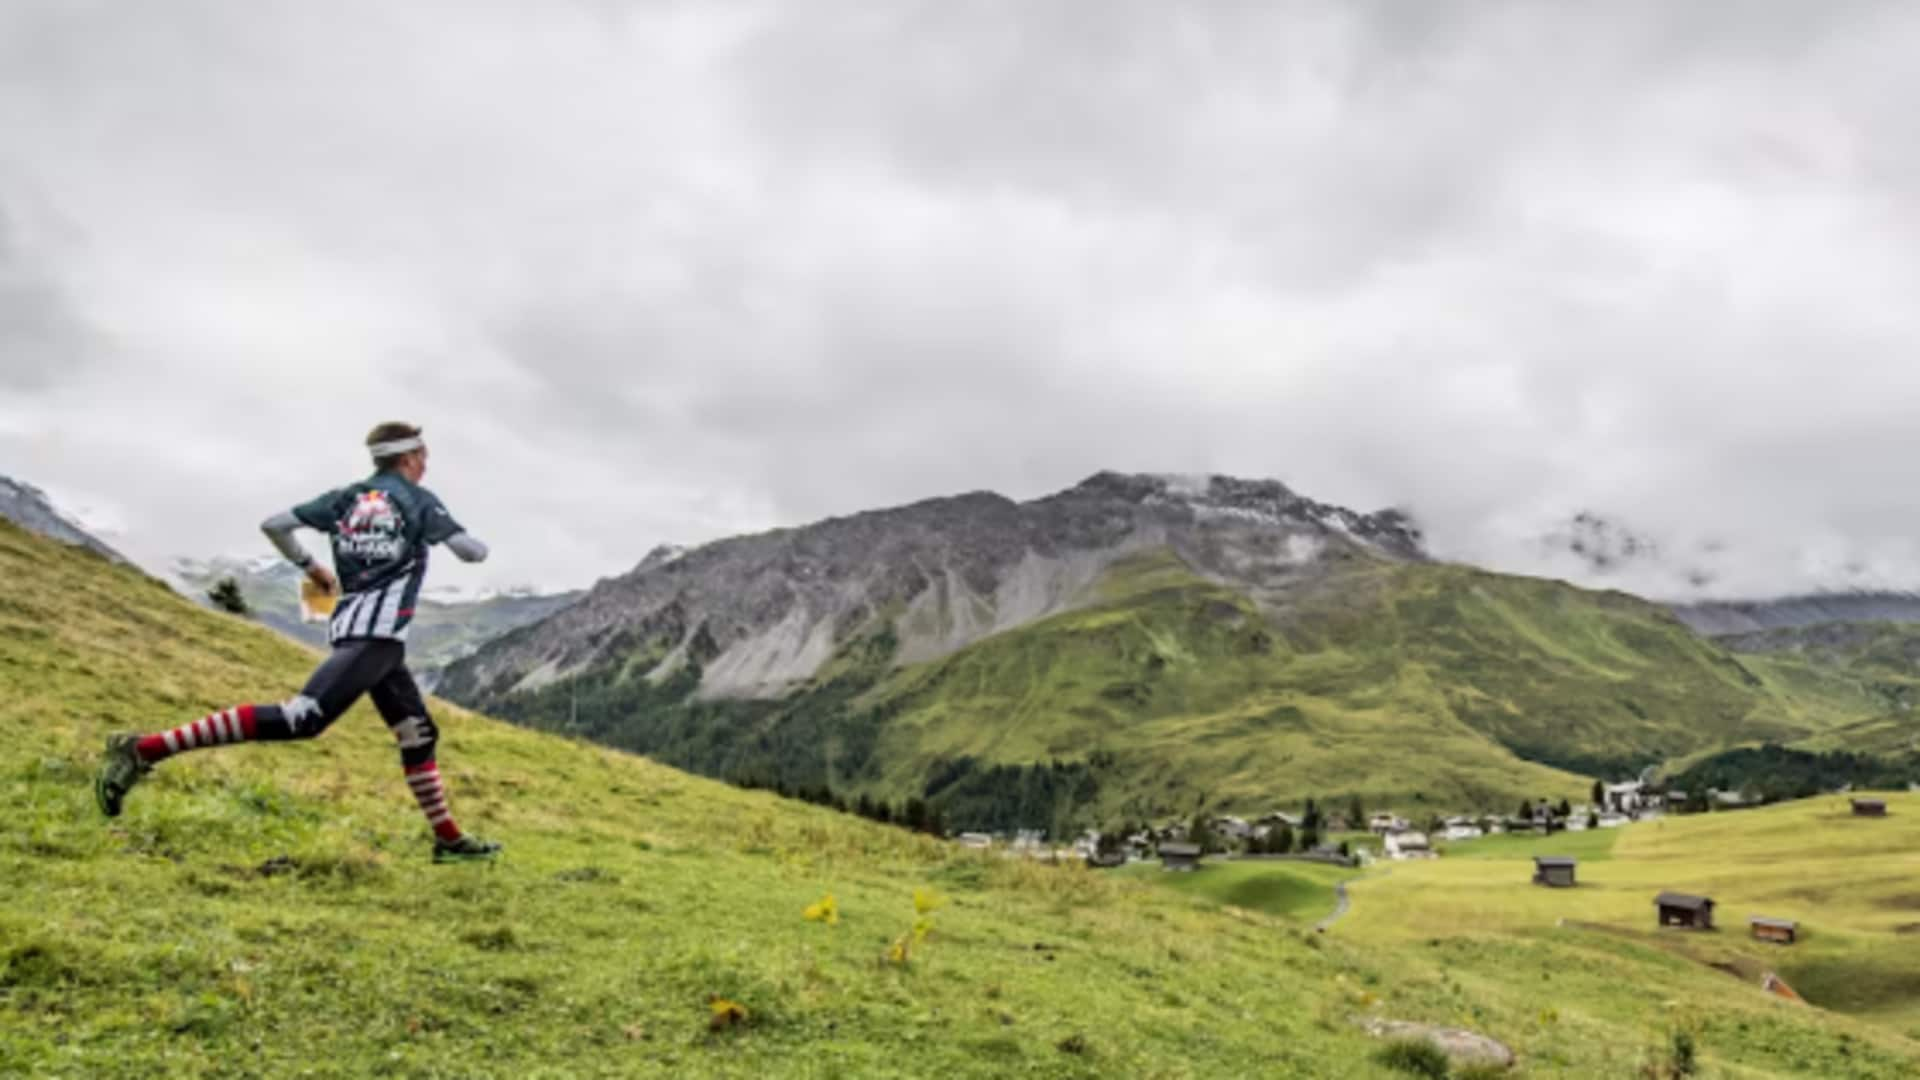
(669, 271)
(42, 337)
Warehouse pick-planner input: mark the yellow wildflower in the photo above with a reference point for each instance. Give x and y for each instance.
(826, 910)
(725, 1013)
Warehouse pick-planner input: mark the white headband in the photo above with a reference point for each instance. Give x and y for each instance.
(395, 448)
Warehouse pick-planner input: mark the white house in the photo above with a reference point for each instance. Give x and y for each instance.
(1407, 845)
(1466, 830)
(1232, 827)
(1624, 798)
(1382, 824)
(979, 841)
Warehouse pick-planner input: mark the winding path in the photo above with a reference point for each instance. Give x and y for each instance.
(1340, 906)
(1341, 902)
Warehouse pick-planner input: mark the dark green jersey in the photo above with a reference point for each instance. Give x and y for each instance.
(381, 529)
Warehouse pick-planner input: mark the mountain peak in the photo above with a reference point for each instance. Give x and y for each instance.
(661, 555)
(1262, 502)
(1195, 487)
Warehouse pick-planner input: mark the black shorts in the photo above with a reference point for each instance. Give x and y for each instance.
(375, 666)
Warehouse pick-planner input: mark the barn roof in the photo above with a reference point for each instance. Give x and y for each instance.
(1778, 924)
(1545, 861)
(1682, 900)
(1180, 850)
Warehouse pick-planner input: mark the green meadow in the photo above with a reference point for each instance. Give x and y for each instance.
(1298, 891)
(271, 911)
(1852, 883)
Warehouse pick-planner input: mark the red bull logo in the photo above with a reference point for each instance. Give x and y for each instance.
(372, 529)
(372, 513)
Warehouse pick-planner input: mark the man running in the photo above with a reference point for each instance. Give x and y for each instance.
(381, 528)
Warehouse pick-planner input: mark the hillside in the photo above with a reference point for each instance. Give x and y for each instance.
(442, 631)
(1188, 659)
(270, 911)
(1875, 662)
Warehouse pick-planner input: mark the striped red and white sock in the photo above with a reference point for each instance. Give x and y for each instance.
(431, 794)
(217, 729)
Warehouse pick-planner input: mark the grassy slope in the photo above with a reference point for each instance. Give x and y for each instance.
(1567, 673)
(1407, 682)
(1183, 680)
(630, 893)
(1874, 665)
(1300, 891)
(1849, 881)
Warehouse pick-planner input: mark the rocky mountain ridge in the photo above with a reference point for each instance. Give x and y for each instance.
(761, 614)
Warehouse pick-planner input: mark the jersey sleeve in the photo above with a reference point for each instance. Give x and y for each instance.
(321, 513)
(439, 525)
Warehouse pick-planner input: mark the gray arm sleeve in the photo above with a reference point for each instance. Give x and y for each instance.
(279, 529)
(467, 548)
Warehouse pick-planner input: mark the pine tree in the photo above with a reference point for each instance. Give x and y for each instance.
(1280, 838)
(1599, 793)
(226, 596)
(1356, 814)
(1200, 832)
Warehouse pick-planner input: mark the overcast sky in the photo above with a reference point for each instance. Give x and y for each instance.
(664, 272)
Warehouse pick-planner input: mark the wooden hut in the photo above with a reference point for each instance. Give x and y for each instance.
(1685, 910)
(1779, 931)
(1869, 808)
(1179, 856)
(1108, 860)
(1555, 871)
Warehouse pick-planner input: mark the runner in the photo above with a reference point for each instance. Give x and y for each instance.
(381, 528)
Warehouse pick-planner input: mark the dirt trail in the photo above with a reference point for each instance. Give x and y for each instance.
(1342, 903)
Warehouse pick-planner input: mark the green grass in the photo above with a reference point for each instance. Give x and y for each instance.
(270, 910)
(1299, 891)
